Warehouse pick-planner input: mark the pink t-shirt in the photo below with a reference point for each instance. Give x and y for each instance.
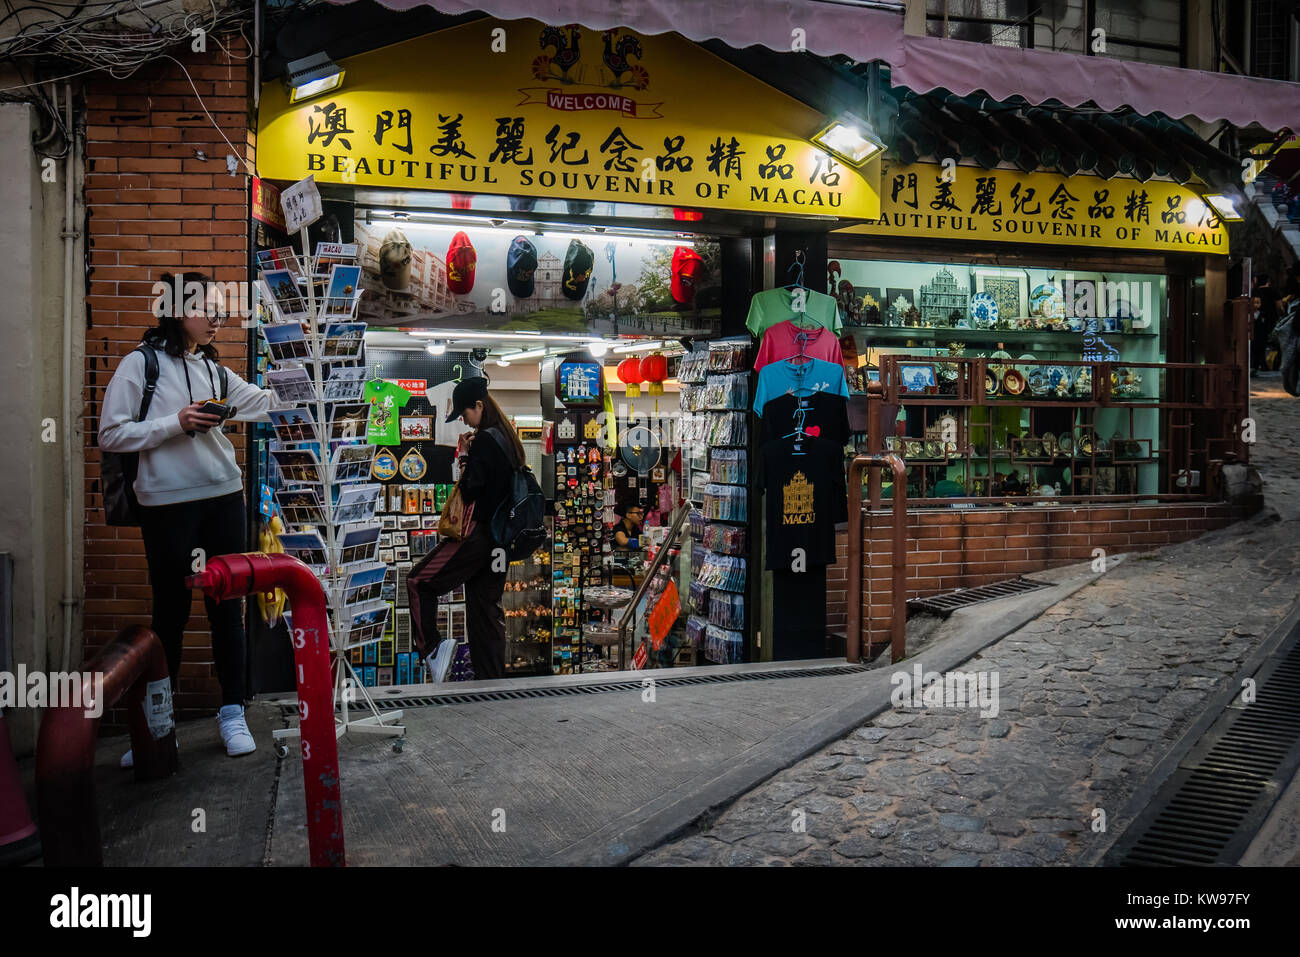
(781, 341)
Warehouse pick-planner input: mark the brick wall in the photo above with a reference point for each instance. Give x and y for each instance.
(962, 548)
(154, 206)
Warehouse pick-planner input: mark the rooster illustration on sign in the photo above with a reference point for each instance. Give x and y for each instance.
(566, 55)
(617, 51)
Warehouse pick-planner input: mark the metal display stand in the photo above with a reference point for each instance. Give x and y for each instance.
(345, 679)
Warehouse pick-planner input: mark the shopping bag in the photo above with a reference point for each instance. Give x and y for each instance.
(457, 517)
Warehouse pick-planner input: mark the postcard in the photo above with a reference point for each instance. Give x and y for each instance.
(300, 506)
(281, 288)
(357, 503)
(292, 386)
(342, 291)
(297, 466)
(343, 340)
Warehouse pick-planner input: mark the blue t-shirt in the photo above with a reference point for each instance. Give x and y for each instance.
(795, 378)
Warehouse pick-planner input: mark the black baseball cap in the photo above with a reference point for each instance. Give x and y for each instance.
(521, 263)
(465, 395)
(578, 263)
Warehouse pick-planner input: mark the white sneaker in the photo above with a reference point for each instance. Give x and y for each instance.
(128, 759)
(439, 663)
(234, 731)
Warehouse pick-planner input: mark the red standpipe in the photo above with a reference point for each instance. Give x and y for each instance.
(134, 667)
(232, 576)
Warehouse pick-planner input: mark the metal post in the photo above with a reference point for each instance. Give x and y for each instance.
(898, 617)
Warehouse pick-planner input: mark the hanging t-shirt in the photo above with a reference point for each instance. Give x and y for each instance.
(445, 433)
(771, 306)
(806, 495)
(386, 400)
(785, 339)
(825, 415)
(788, 377)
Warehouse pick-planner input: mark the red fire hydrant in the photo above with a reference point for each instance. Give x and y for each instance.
(231, 576)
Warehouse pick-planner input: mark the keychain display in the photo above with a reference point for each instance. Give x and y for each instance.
(724, 539)
(729, 466)
(726, 503)
(722, 571)
(726, 609)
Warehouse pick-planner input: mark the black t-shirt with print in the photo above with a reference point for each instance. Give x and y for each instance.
(825, 412)
(806, 496)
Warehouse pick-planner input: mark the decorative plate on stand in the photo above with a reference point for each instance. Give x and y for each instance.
(983, 310)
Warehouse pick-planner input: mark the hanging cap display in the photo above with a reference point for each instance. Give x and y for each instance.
(578, 262)
(465, 395)
(521, 263)
(687, 267)
(461, 260)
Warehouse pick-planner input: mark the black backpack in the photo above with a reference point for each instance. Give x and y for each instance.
(518, 524)
(117, 470)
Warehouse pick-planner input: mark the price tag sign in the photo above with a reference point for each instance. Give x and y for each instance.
(301, 204)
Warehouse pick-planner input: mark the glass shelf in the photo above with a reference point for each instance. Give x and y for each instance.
(887, 334)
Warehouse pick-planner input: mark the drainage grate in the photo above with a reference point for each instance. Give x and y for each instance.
(385, 703)
(1210, 810)
(945, 604)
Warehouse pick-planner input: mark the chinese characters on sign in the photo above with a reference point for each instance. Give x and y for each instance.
(648, 119)
(1011, 206)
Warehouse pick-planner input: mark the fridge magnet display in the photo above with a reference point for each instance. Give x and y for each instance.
(384, 464)
(343, 340)
(297, 466)
(352, 463)
(294, 425)
(399, 538)
(286, 342)
(402, 553)
(412, 466)
(388, 521)
(429, 521)
(300, 506)
(386, 556)
(342, 291)
(416, 427)
(918, 377)
(408, 522)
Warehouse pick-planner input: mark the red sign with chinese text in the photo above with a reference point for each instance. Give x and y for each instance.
(664, 615)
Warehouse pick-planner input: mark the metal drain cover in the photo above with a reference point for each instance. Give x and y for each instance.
(945, 604)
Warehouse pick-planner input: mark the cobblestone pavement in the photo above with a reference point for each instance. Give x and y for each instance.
(1092, 696)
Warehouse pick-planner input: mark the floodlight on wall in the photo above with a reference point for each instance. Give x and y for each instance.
(1225, 207)
(850, 139)
(312, 76)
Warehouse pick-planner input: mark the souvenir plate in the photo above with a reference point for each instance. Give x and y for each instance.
(934, 449)
(1026, 371)
(983, 310)
(1066, 444)
(1013, 382)
(1056, 375)
(1049, 443)
(1085, 444)
(1033, 448)
(913, 448)
(1047, 300)
(1038, 381)
(990, 384)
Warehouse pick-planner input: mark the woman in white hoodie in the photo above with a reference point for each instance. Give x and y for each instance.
(188, 484)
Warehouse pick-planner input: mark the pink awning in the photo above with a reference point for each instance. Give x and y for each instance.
(828, 28)
(1003, 72)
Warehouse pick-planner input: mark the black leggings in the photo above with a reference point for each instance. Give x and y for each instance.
(447, 567)
(171, 533)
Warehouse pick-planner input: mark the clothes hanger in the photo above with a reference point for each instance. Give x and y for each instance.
(797, 267)
(459, 372)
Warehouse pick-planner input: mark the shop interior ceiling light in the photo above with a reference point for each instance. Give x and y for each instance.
(529, 354)
(640, 347)
(850, 139)
(313, 76)
(436, 348)
(597, 349)
(540, 230)
(503, 363)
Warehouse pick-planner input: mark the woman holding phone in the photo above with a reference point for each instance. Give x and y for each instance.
(188, 484)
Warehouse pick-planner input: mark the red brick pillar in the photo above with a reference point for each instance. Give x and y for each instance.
(159, 198)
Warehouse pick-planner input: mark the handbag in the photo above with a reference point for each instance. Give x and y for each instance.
(457, 521)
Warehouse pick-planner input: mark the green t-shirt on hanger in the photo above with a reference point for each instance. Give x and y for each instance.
(385, 399)
(772, 306)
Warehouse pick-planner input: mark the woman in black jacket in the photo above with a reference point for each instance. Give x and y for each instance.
(493, 454)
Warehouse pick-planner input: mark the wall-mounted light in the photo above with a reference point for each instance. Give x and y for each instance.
(503, 363)
(436, 348)
(1225, 207)
(597, 349)
(312, 76)
(529, 354)
(850, 139)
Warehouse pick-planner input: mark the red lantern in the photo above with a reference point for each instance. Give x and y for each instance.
(654, 369)
(629, 373)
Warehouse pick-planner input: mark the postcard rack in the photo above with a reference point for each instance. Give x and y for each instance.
(327, 498)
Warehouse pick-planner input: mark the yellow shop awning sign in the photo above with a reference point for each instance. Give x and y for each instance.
(525, 109)
(930, 201)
